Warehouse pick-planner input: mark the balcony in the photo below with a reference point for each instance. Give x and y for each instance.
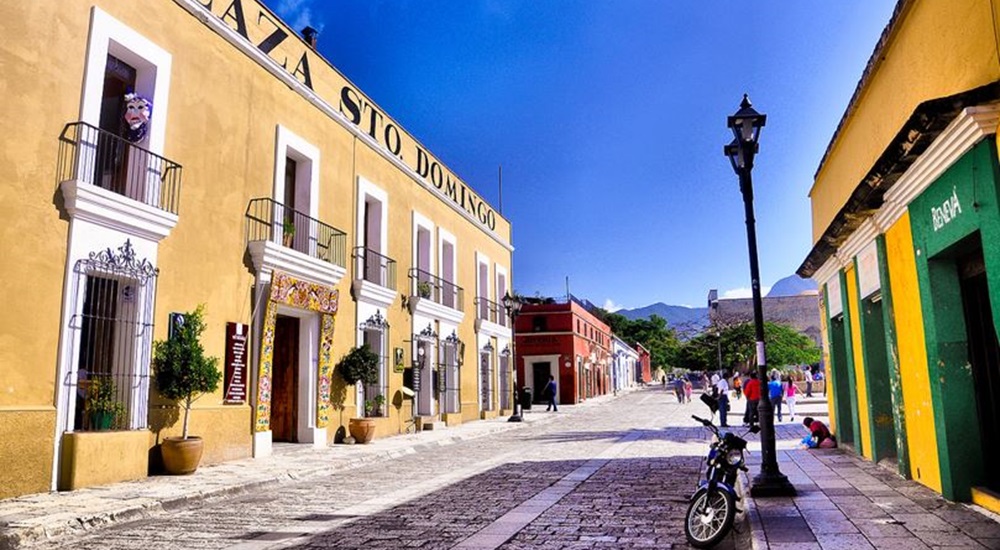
(268, 220)
(374, 268)
(440, 291)
(490, 311)
(92, 156)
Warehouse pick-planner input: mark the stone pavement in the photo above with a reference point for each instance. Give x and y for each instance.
(50, 516)
(847, 502)
(611, 473)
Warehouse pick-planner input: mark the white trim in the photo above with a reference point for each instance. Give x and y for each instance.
(152, 63)
(289, 144)
(267, 256)
(422, 222)
(210, 20)
(835, 302)
(117, 212)
(436, 311)
(377, 295)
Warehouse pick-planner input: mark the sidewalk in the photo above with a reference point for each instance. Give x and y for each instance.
(32, 519)
(847, 502)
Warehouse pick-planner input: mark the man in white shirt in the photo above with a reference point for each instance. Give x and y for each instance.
(722, 387)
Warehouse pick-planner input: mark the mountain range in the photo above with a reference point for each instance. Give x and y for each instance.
(693, 319)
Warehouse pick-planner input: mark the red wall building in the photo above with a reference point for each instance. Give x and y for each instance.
(565, 341)
(645, 364)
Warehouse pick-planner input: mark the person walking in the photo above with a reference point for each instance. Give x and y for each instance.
(688, 387)
(809, 382)
(775, 392)
(679, 389)
(722, 392)
(752, 391)
(550, 394)
(790, 392)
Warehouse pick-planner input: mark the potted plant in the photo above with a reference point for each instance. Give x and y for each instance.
(102, 407)
(360, 365)
(424, 289)
(183, 373)
(377, 405)
(288, 232)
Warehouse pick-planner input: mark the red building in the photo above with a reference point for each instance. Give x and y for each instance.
(645, 370)
(562, 339)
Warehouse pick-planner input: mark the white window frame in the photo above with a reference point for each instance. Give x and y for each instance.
(288, 144)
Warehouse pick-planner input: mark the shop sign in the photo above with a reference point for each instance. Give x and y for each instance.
(948, 210)
(835, 303)
(235, 387)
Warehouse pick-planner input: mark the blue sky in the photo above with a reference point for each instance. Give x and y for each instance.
(609, 118)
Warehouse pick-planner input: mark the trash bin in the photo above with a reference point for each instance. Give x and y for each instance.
(526, 398)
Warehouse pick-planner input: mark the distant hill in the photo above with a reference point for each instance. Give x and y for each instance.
(793, 285)
(687, 319)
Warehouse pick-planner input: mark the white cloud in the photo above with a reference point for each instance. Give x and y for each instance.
(744, 292)
(610, 305)
(298, 14)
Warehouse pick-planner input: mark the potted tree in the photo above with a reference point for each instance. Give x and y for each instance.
(378, 405)
(424, 289)
(360, 365)
(102, 406)
(183, 373)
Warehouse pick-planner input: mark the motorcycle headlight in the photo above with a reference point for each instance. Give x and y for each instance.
(734, 457)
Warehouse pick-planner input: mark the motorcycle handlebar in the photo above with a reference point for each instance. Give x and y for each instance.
(706, 423)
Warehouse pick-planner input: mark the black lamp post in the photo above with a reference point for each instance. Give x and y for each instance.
(513, 306)
(746, 125)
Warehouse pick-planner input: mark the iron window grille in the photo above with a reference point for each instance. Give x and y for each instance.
(424, 344)
(505, 389)
(486, 377)
(269, 220)
(373, 267)
(450, 377)
(112, 333)
(375, 334)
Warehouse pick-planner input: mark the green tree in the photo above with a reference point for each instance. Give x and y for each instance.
(181, 369)
(738, 345)
(653, 333)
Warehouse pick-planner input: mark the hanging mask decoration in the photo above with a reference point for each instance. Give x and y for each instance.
(137, 111)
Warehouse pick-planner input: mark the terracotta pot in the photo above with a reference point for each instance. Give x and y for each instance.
(362, 429)
(181, 456)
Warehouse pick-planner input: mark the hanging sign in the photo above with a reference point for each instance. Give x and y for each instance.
(236, 367)
(868, 276)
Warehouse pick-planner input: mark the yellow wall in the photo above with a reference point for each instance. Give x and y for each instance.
(97, 458)
(25, 433)
(918, 407)
(939, 48)
(863, 440)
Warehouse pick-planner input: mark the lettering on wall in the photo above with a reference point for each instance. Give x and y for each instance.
(368, 119)
(273, 36)
(264, 31)
(948, 211)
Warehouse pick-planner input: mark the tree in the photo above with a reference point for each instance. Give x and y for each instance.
(182, 371)
(738, 346)
(653, 333)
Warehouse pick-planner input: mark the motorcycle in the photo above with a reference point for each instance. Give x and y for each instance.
(712, 510)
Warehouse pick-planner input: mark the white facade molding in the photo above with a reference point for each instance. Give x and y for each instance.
(369, 292)
(869, 280)
(969, 128)
(269, 257)
(493, 329)
(431, 309)
(270, 65)
(833, 289)
(116, 212)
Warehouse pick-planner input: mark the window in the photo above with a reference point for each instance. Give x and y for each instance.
(374, 334)
(486, 378)
(372, 263)
(296, 187)
(450, 383)
(539, 323)
(113, 322)
(451, 293)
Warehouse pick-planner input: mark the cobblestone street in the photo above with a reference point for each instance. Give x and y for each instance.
(600, 475)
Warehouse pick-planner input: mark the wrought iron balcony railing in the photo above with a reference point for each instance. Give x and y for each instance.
(374, 267)
(94, 156)
(441, 291)
(268, 220)
(488, 310)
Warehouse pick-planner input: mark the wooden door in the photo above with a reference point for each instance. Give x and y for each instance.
(285, 380)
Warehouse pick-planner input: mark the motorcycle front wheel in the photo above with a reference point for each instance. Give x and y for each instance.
(709, 517)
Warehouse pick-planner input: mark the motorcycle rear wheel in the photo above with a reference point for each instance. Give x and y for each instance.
(709, 517)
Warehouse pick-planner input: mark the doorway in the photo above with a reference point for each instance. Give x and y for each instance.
(112, 162)
(841, 380)
(285, 380)
(877, 378)
(540, 373)
(984, 356)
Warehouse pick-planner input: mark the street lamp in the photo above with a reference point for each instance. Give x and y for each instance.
(513, 306)
(746, 125)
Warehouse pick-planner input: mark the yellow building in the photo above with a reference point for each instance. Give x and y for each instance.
(906, 232)
(166, 154)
